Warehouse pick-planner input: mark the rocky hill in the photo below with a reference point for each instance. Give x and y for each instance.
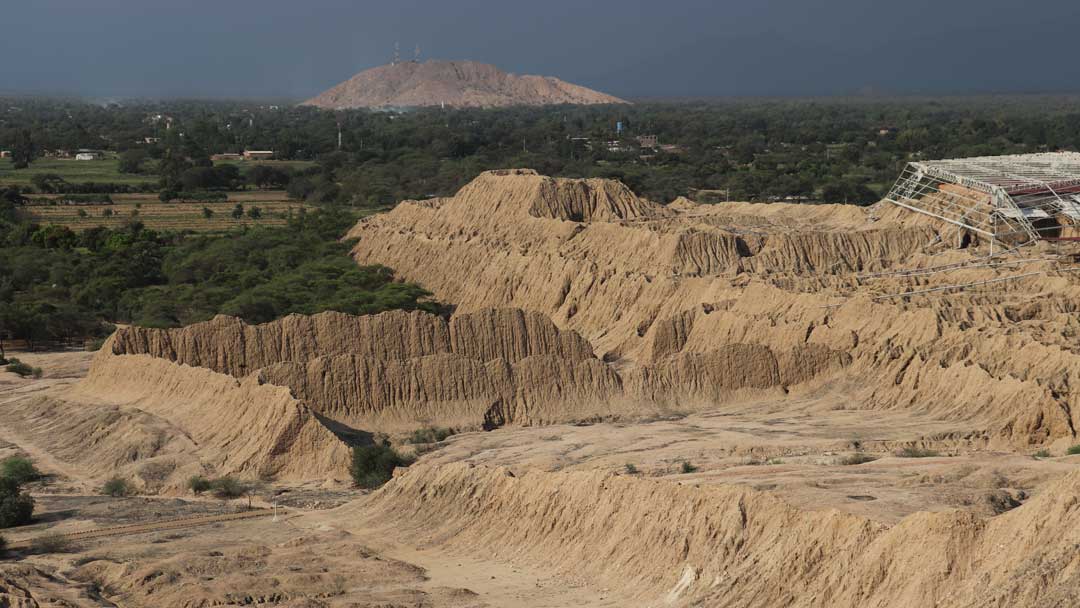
(459, 84)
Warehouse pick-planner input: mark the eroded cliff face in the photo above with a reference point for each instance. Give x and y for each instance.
(578, 300)
(727, 546)
(484, 369)
(693, 301)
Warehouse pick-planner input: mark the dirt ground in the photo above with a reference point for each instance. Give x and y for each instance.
(303, 559)
(799, 448)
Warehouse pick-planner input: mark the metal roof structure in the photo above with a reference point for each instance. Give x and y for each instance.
(1013, 197)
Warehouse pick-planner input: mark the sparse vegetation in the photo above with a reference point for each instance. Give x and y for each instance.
(16, 506)
(857, 458)
(198, 484)
(373, 465)
(117, 487)
(1043, 453)
(631, 469)
(22, 470)
(429, 434)
(22, 369)
(916, 452)
(1002, 501)
(1073, 450)
(228, 487)
(687, 467)
(52, 543)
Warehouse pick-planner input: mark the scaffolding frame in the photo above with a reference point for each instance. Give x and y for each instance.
(1000, 197)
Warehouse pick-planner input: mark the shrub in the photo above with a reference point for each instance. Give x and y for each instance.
(22, 369)
(20, 469)
(373, 465)
(227, 487)
(1044, 453)
(916, 452)
(192, 197)
(198, 484)
(1074, 450)
(95, 344)
(857, 458)
(3, 544)
(117, 487)
(631, 469)
(430, 434)
(16, 506)
(52, 543)
(687, 467)
(1002, 501)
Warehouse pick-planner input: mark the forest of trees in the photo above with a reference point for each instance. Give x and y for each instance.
(831, 150)
(57, 285)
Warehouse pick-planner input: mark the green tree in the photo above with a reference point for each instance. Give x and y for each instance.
(24, 150)
(228, 487)
(49, 183)
(238, 211)
(254, 213)
(117, 487)
(171, 169)
(373, 465)
(16, 506)
(131, 161)
(207, 212)
(199, 484)
(22, 470)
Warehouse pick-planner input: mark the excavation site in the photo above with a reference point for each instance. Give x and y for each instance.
(617, 402)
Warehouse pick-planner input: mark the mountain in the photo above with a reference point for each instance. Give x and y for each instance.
(460, 84)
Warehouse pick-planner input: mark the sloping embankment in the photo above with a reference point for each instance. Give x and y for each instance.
(723, 546)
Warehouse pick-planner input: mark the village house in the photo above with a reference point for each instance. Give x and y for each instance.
(258, 155)
(89, 155)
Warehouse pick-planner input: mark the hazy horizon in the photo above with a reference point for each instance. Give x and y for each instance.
(125, 49)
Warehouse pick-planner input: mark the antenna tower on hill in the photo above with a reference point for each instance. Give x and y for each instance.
(416, 54)
(397, 53)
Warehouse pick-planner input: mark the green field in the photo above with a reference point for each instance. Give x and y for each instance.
(108, 170)
(275, 205)
(72, 171)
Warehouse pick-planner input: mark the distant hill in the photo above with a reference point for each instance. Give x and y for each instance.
(460, 84)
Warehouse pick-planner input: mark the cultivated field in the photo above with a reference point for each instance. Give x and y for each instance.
(108, 170)
(146, 208)
(102, 171)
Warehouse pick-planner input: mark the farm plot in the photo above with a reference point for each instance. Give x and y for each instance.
(274, 210)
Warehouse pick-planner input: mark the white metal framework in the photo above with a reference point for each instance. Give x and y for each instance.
(1020, 197)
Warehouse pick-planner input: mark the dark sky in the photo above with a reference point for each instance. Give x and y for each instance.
(632, 48)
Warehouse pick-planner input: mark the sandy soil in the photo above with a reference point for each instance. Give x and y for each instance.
(790, 447)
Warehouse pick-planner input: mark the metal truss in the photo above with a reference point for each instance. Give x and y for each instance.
(1000, 197)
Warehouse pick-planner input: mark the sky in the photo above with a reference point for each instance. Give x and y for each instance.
(293, 49)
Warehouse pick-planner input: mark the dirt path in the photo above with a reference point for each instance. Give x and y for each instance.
(502, 584)
(157, 526)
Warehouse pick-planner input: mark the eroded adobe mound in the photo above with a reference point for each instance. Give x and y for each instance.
(727, 546)
(670, 290)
